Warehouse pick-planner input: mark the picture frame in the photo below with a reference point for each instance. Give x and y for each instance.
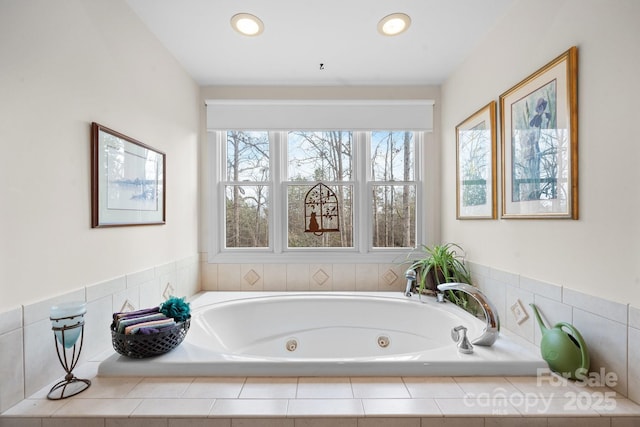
(539, 142)
(476, 165)
(127, 180)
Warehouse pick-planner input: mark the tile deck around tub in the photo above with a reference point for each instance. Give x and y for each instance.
(345, 398)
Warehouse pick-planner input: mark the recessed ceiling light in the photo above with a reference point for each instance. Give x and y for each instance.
(247, 24)
(394, 24)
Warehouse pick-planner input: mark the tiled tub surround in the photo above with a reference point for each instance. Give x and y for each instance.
(391, 401)
(28, 358)
(611, 329)
(333, 334)
(325, 402)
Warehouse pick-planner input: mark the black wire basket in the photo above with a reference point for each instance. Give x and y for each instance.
(139, 346)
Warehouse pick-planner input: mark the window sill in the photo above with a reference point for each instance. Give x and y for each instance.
(309, 257)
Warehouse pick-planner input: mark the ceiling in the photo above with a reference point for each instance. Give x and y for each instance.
(300, 35)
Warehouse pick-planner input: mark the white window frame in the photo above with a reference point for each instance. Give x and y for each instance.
(278, 252)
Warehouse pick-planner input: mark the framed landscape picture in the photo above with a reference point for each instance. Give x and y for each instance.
(127, 180)
(539, 134)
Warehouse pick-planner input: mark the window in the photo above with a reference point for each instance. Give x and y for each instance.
(262, 178)
(314, 157)
(394, 189)
(246, 188)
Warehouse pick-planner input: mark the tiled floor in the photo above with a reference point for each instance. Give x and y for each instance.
(333, 401)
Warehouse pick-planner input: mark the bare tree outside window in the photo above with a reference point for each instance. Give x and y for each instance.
(394, 199)
(389, 193)
(323, 156)
(246, 206)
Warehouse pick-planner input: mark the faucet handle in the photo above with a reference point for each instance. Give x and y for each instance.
(459, 335)
(455, 332)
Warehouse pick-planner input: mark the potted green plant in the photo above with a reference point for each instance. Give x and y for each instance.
(443, 264)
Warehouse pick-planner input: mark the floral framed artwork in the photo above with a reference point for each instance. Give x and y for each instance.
(539, 135)
(127, 180)
(476, 161)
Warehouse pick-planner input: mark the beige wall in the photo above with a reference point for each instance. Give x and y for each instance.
(67, 64)
(63, 65)
(599, 253)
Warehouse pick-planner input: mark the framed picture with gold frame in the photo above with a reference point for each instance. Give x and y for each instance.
(476, 161)
(539, 136)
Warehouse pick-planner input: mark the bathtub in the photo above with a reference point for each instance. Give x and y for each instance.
(329, 334)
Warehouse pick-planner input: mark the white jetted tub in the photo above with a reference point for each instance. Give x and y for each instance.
(329, 334)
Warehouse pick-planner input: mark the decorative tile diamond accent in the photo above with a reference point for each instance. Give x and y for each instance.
(320, 277)
(389, 277)
(127, 307)
(168, 291)
(251, 277)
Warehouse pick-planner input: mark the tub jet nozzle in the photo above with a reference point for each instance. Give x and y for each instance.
(292, 344)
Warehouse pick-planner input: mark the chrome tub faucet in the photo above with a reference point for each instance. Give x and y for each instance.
(492, 328)
(410, 274)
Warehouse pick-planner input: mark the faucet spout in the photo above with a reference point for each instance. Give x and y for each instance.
(410, 274)
(492, 329)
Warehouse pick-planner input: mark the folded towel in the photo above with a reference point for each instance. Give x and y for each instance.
(155, 323)
(149, 330)
(122, 324)
(138, 318)
(143, 311)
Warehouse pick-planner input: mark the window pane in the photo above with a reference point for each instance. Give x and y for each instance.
(247, 216)
(394, 216)
(298, 238)
(392, 157)
(247, 156)
(320, 156)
